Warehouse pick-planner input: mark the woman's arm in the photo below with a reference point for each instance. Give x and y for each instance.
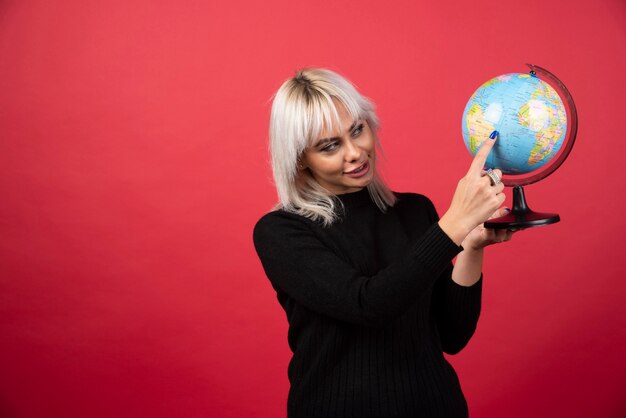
(301, 263)
(457, 298)
(468, 267)
(456, 309)
(469, 263)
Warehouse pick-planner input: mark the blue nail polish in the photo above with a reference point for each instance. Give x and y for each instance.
(494, 134)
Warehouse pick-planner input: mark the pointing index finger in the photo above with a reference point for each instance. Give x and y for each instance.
(481, 156)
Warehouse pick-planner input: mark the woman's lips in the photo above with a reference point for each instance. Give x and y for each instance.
(359, 171)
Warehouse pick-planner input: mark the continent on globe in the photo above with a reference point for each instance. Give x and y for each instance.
(478, 126)
(529, 116)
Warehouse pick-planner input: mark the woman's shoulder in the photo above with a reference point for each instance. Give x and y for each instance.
(280, 222)
(282, 217)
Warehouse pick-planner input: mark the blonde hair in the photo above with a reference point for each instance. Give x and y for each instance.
(302, 107)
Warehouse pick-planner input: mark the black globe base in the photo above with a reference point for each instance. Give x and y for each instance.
(521, 216)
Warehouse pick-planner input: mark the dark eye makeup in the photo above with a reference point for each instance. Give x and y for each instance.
(333, 144)
(357, 130)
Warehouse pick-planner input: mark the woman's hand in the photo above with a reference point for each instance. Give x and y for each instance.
(480, 236)
(469, 263)
(475, 198)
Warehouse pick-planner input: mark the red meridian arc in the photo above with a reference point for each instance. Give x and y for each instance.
(572, 130)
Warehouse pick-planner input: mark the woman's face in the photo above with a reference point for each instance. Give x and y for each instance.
(343, 161)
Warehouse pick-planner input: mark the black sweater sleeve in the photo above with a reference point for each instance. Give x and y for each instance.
(456, 308)
(298, 262)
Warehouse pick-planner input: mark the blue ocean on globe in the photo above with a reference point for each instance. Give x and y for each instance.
(529, 116)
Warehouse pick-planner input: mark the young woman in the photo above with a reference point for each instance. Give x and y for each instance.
(364, 274)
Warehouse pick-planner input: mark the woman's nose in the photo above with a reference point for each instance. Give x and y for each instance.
(353, 153)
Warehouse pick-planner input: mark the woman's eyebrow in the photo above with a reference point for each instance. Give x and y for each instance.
(334, 138)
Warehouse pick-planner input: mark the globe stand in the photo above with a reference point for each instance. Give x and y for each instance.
(521, 216)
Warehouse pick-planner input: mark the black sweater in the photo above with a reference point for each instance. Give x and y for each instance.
(371, 307)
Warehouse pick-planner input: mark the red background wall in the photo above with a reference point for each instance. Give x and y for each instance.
(133, 167)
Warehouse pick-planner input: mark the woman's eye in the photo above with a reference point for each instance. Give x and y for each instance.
(330, 147)
(357, 131)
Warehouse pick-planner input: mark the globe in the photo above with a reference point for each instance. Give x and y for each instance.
(529, 116)
(537, 122)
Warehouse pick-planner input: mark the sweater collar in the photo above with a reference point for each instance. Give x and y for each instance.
(356, 199)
